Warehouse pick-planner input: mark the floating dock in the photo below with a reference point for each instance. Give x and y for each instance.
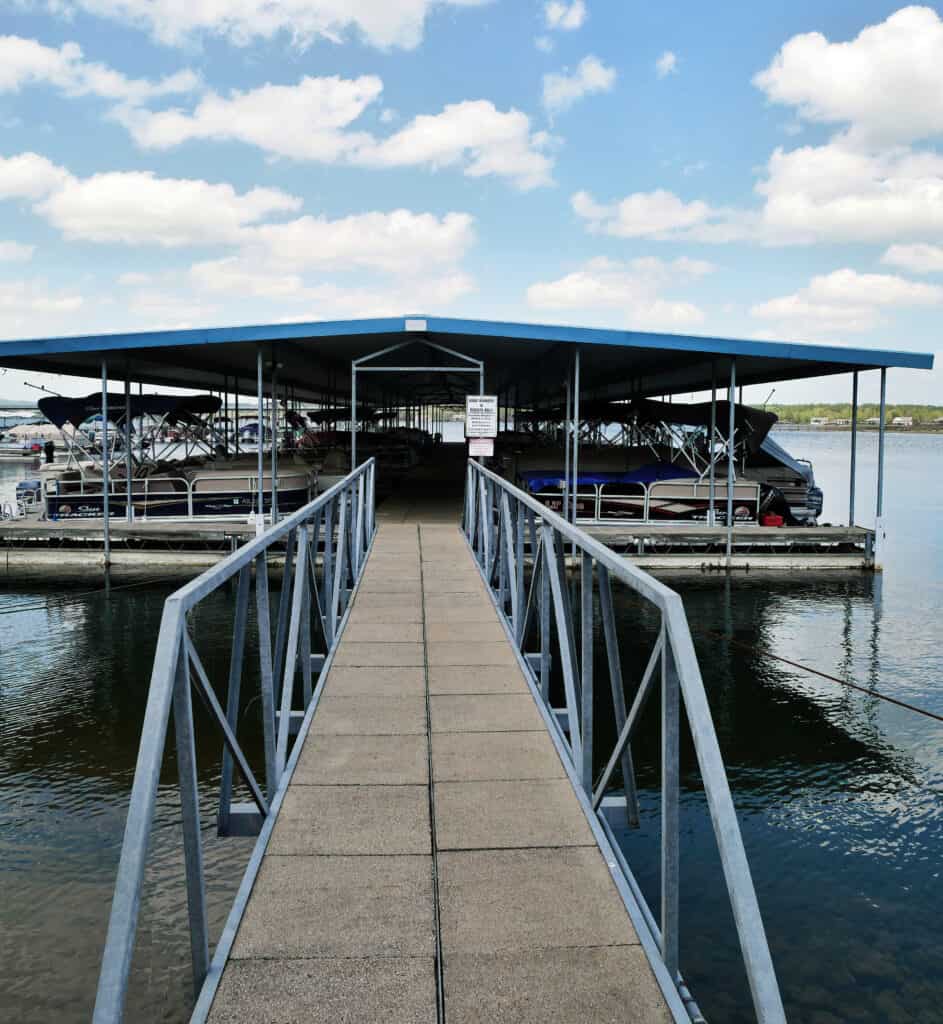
(430, 849)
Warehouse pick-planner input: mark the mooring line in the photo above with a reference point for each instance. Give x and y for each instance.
(66, 598)
(825, 675)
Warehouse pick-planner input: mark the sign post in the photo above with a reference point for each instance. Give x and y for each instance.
(481, 424)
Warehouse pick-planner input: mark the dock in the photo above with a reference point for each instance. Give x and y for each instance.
(431, 859)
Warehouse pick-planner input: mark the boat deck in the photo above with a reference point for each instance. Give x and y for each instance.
(431, 860)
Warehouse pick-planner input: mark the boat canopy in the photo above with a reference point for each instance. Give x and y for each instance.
(187, 409)
(752, 424)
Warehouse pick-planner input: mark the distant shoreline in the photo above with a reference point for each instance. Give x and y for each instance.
(917, 428)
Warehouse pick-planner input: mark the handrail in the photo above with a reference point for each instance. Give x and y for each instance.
(508, 531)
(341, 523)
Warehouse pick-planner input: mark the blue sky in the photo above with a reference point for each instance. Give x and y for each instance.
(733, 169)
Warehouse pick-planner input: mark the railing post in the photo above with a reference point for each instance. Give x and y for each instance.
(232, 694)
(327, 572)
(670, 806)
(617, 686)
(190, 810)
(519, 575)
(291, 653)
(266, 678)
(541, 565)
(281, 627)
(554, 566)
(586, 658)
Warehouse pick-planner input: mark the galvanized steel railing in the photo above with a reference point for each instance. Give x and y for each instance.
(519, 546)
(315, 593)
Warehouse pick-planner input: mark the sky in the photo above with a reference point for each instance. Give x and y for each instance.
(738, 170)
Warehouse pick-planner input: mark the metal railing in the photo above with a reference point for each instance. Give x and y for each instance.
(520, 548)
(155, 490)
(339, 525)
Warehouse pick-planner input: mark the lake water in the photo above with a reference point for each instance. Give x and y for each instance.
(839, 795)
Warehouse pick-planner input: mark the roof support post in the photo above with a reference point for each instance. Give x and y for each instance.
(576, 434)
(260, 520)
(731, 427)
(353, 415)
(566, 449)
(273, 412)
(854, 448)
(226, 412)
(128, 461)
(710, 450)
(236, 414)
(105, 466)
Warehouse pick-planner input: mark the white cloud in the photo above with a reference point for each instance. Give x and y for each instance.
(238, 277)
(138, 208)
(16, 252)
(660, 215)
(918, 258)
(26, 62)
(837, 193)
(28, 308)
(633, 288)
(667, 64)
(562, 16)
(380, 23)
(399, 242)
(846, 301)
(304, 121)
(29, 176)
(544, 44)
(487, 141)
(886, 84)
(561, 90)
(314, 120)
(694, 168)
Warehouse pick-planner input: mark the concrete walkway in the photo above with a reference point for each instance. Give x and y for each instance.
(431, 854)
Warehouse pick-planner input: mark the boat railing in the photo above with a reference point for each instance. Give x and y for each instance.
(645, 496)
(324, 545)
(147, 488)
(552, 618)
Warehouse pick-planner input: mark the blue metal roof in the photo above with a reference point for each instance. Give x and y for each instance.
(529, 359)
(559, 334)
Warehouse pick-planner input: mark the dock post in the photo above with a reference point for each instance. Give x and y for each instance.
(105, 475)
(854, 447)
(731, 428)
(879, 535)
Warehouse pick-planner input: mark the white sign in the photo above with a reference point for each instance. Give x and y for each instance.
(480, 446)
(481, 415)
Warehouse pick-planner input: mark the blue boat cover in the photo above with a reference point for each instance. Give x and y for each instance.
(540, 479)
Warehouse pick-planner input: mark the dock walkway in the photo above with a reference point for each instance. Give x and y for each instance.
(431, 859)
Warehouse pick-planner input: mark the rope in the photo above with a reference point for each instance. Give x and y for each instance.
(28, 606)
(832, 679)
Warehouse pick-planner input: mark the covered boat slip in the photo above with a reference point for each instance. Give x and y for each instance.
(405, 370)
